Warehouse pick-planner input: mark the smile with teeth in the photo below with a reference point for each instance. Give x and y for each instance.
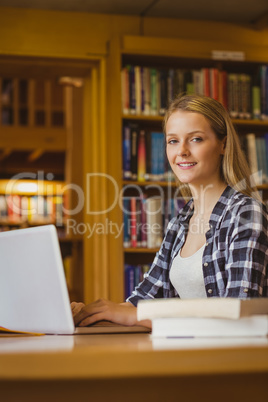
(186, 164)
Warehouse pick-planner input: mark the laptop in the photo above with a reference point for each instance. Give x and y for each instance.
(33, 291)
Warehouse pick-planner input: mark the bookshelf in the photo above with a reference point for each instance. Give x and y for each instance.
(36, 125)
(166, 53)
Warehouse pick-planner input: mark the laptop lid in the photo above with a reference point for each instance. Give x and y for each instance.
(33, 291)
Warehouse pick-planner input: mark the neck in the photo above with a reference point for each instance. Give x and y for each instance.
(206, 197)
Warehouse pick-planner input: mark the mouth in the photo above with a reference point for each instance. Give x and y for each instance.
(186, 165)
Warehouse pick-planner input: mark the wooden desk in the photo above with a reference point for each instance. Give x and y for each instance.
(132, 367)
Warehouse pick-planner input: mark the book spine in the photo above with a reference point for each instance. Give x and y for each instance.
(129, 280)
(264, 95)
(256, 102)
(147, 90)
(143, 223)
(214, 83)
(125, 89)
(126, 217)
(132, 90)
(133, 222)
(134, 151)
(141, 156)
(163, 89)
(126, 153)
(206, 81)
(154, 156)
(154, 92)
(233, 96)
(252, 157)
(137, 74)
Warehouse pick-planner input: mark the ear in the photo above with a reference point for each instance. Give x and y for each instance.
(223, 145)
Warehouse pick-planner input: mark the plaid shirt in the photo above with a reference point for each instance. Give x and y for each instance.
(235, 257)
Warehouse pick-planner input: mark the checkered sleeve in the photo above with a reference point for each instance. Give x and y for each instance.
(156, 283)
(247, 254)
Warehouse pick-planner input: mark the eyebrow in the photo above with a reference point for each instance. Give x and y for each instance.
(188, 134)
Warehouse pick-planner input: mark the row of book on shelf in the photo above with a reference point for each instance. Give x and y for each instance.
(147, 90)
(144, 155)
(146, 218)
(14, 207)
(256, 151)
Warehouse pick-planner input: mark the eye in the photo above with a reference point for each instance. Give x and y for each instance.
(172, 141)
(197, 139)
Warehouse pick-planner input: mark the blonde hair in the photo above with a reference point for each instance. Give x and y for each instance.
(234, 168)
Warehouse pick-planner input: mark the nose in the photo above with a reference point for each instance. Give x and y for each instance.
(183, 150)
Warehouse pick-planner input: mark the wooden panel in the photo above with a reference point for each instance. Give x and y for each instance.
(28, 138)
(189, 48)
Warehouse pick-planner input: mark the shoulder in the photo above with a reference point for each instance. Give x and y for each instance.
(238, 208)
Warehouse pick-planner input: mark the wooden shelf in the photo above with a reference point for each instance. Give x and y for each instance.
(141, 250)
(238, 122)
(150, 183)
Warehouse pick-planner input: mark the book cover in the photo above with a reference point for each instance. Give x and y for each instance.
(256, 325)
(10, 332)
(215, 307)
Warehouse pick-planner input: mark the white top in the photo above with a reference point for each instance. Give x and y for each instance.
(186, 275)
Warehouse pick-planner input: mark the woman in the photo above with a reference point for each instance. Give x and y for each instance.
(217, 245)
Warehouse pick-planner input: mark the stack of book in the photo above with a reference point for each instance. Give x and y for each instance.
(211, 317)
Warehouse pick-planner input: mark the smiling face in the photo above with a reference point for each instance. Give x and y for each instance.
(193, 150)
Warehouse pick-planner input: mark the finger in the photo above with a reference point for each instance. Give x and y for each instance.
(89, 310)
(92, 320)
(76, 307)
